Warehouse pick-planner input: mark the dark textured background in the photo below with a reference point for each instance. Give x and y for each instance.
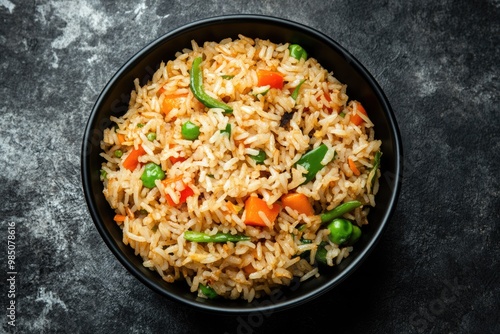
(436, 269)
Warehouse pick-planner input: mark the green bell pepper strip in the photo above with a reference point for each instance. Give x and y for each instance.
(311, 161)
(218, 237)
(295, 93)
(208, 291)
(196, 85)
(339, 211)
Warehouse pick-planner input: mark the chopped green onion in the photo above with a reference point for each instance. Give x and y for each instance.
(208, 291)
(260, 157)
(227, 130)
(295, 93)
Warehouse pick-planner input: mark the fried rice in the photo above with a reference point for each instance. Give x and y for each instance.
(208, 180)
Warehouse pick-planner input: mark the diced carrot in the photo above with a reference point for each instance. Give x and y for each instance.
(233, 207)
(160, 91)
(171, 101)
(132, 160)
(330, 109)
(298, 202)
(356, 119)
(184, 194)
(329, 99)
(166, 182)
(129, 212)
(119, 218)
(327, 96)
(249, 269)
(254, 205)
(121, 137)
(173, 160)
(353, 167)
(273, 79)
(170, 201)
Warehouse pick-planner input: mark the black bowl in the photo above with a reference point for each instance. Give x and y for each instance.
(113, 101)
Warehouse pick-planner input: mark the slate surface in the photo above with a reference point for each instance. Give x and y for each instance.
(436, 267)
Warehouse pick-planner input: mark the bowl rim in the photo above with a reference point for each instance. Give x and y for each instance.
(287, 303)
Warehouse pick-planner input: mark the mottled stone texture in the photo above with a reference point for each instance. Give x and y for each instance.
(436, 269)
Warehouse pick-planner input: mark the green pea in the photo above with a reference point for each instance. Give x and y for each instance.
(259, 157)
(140, 125)
(190, 130)
(152, 172)
(104, 174)
(340, 231)
(151, 136)
(356, 234)
(118, 153)
(297, 52)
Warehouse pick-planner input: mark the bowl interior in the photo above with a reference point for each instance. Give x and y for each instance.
(113, 101)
